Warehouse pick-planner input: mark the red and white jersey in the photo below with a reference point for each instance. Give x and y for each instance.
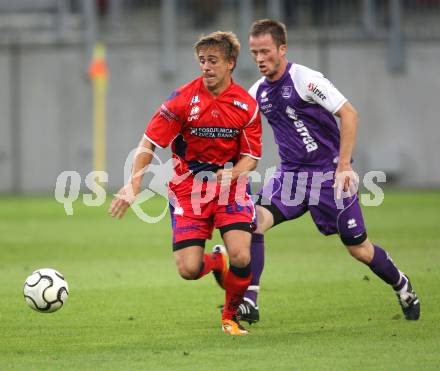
(206, 131)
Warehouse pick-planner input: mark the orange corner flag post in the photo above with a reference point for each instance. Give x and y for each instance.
(98, 74)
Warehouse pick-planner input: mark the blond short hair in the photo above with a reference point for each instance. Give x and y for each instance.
(226, 42)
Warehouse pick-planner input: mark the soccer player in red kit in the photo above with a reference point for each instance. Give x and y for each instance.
(214, 128)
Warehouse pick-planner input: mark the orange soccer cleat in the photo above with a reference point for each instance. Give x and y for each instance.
(233, 327)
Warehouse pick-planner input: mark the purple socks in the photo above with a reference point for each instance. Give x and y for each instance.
(257, 265)
(383, 266)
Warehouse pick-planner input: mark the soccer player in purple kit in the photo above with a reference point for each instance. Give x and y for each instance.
(315, 169)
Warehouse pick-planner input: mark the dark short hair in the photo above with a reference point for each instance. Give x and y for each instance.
(227, 42)
(268, 26)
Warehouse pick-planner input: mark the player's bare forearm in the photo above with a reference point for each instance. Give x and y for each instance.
(142, 158)
(348, 128)
(127, 194)
(345, 178)
(242, 167)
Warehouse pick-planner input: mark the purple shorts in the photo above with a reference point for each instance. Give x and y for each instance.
(295, 193)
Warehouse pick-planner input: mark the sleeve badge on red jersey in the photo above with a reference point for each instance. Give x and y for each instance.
(167, 114)
(241, 105)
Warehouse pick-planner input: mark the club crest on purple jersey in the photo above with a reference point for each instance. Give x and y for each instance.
(286, 91)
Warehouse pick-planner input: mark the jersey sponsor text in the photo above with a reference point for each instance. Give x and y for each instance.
(302, 130)
(214, 132)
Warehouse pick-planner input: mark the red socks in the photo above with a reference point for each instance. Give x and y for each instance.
(236, 283)
(210, 262)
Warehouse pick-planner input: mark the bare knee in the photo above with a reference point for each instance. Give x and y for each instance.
(265, 220)
(239, 258)
(363, 252)
(238, 244)
(189, 261)
(188, 271)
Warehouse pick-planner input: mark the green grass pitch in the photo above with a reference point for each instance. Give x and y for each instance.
(129, 310)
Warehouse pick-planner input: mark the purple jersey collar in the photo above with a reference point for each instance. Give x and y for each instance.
(283, 76)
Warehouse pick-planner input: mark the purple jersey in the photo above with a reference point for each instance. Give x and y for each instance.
(300, 107)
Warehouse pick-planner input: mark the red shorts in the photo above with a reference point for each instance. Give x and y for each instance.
(193, 227)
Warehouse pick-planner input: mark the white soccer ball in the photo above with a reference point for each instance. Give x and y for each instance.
(45, 290)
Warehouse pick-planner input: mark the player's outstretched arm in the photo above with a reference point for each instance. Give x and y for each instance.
(127, 194)
(345, 178)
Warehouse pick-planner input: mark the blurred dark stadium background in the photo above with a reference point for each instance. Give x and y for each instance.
(382, 54)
